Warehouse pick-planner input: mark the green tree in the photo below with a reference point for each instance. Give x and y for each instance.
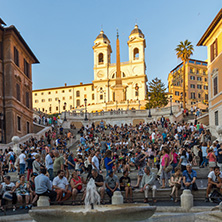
(157, 94)
(183, 51)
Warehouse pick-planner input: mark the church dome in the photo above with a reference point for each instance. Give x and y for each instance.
(136, 30)
(102, 36)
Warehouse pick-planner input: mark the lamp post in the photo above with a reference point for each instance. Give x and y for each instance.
(85, 100)
(149, 97)
(137, 91)
(65, 112)
(181, 97)
(2, 134)
(171, 111)
(59, 106)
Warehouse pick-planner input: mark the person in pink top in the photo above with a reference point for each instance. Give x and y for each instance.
(164, 163)
(173, 159)
(212, 159)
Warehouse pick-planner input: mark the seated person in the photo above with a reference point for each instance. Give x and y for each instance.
(147, 183)
(175, 182)
(76, 184)
(126, 186)
(33, 195)
(23, 190)
(214, 181)
(61, 186)
(189, 177)
(43, 186)
(112, 183)
(9, 187)
(99, 184)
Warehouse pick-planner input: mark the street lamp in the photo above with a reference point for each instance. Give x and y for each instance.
(85, 100)
(59, 106)
(149, 97)
(65, 112)
(137, 91)
(181, 97)
(171, 111)
(2, 118)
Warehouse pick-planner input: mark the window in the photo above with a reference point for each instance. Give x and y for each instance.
(215, 88)
(43, 109)
(205, 87)
(18, 123)
(205, 79)
(198, 71)
(78, 93)
(213, 50)
(70, 90)
(27, 99)
(199, 95)
(199, 86)
(70, 106)
(63, 91)
(216, 118)
(206, 96)
(84, 88)
(100, 57)
(192, 86)
(177, 93)
(70, 97)
(204, 72)
(93, 97)
(101, 97)
(16, 56)
(63, 98)
(114, 96)
(35, 94)
(18, 94)
(49, 93)
(56, 92)
(36, 101)
(192, 95)
(92, 87)
(57, 108)
(27, 127)
(192, 77)
(199, 79)
(43, 100)
(56, 99)
(50, 109)
(42, 93)
(136, 54)
(26, 68)
(49, 100)
(77, 102)
(191, 70)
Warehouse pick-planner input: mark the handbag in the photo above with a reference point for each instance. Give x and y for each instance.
(168, 168)
(7, 196)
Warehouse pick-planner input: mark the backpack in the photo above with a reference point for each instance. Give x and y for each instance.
(215, 197)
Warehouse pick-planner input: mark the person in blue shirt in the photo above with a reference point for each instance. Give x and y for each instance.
(204, 155)
(71, 162)
(108, 161)
(189, 177)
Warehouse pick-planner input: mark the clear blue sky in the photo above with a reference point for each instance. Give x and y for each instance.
(61, 33)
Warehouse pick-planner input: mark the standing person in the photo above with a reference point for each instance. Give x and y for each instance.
(61, 186)
(21, 161)
(37, 164)
(95, 161)
(164, 163)
(58, 163)
(108, 161)
(29, 165)
(147, 183)
(162, 120)
(125, 185)
(49, 164)
(219, 152)
(212, 159)
(43, 186)
(204, 155)
(173, 159)
(183, 160)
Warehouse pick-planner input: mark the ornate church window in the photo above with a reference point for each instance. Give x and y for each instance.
(101, 58)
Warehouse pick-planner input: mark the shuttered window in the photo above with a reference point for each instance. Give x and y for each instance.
(213, 50)
(215, 86)
(18, 94)
(27, 99)
(16, 56)
(26, 68)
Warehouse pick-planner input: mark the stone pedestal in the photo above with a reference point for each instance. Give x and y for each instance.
(186, 200)
(43, 201)
(219, 131)
(117, 198)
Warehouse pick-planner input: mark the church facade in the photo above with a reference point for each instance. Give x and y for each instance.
(120, 85)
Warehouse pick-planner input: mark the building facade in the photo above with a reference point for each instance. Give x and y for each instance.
(196, 82)
(16, 59)
(212, 38)
(103, 93)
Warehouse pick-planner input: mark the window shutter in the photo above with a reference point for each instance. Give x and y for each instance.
(211, 52)
(216, 47)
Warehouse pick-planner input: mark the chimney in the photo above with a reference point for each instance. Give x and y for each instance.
(65, 84)
(81, 83)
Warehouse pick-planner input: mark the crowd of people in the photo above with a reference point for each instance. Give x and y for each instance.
(161, 153)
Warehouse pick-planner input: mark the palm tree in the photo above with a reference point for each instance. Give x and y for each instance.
(183, 51)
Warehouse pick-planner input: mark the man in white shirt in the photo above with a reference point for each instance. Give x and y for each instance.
(49, 164)
(214, 181)
(95, 161)
(61, 186)
(21, 162)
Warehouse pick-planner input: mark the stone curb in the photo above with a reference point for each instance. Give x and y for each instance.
(17, 217)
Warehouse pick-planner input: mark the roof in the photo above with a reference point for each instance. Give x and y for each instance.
(13, 28)
(102, 36)
(195, 60)
(136, 30)
(2, 22)
(61, 87)
(210, 28)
